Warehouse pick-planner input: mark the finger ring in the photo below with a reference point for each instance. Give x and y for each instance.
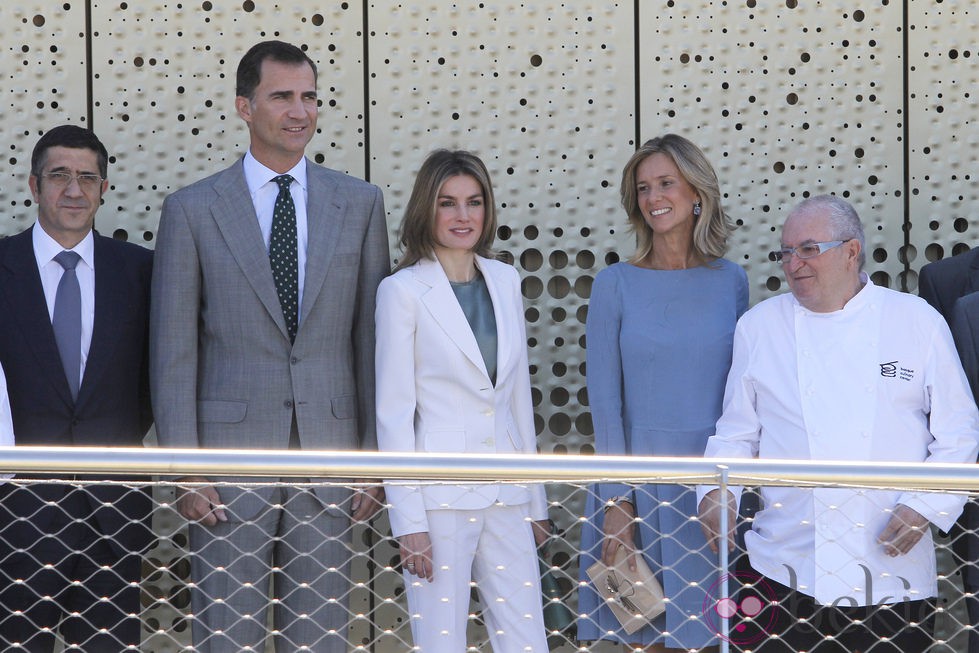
(411, 565)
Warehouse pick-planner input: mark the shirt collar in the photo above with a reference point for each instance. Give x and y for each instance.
(257, 174)
(46, 247)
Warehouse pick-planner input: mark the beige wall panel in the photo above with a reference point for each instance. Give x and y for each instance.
(942, 81)
(544, 93)
(43, 84)
(164, 92)
(788, 99)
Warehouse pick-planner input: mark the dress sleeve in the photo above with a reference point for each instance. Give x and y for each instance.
(604, 376)
(742, 291)
(521, 402)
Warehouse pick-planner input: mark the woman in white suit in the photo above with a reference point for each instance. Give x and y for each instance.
(452, 376)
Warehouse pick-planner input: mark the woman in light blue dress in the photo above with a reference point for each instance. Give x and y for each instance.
(659, 337)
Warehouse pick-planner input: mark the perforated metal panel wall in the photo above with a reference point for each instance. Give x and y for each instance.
(942, 112)
(788, 98)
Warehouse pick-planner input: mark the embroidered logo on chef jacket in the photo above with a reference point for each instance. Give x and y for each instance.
(893, 370)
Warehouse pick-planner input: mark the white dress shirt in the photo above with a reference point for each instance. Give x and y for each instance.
(877, 381)
(45, 249)
(6, 421)
(264, 191)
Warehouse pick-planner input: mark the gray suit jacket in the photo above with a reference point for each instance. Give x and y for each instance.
(223, 372)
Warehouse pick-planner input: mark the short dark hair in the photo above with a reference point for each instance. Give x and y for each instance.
(71, 136)
(250, 67)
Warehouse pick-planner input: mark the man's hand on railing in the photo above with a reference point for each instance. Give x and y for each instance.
(905, 527)
(366, 501)
(710, 519)
(199, 503)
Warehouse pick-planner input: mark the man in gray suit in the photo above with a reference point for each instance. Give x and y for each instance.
(262, 336)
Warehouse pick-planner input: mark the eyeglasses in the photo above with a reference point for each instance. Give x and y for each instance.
(809, 250)
(86, 181)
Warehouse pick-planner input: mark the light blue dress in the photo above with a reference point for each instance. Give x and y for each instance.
(658, 352)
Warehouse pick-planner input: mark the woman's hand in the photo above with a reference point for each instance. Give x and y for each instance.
(416, 555)
(619, 528)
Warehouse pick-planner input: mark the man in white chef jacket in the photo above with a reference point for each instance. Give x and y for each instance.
(841, 369)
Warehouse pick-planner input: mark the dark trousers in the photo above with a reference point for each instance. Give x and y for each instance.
(65, 579)
(965, 552)
(790, 621)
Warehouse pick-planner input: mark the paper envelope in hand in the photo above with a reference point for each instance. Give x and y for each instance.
(635, 597)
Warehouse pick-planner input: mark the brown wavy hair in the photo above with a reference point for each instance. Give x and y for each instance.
(417, 231)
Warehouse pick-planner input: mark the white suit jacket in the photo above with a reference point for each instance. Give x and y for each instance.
(435, 395)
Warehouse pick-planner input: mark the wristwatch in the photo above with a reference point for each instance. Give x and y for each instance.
(614, 501)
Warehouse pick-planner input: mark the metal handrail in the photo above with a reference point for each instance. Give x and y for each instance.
(491, 467)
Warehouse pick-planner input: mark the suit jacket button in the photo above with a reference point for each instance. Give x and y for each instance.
(293, 360)
(287, 403)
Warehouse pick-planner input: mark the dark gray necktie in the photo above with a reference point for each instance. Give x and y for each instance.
(284, 254)
(67, 321)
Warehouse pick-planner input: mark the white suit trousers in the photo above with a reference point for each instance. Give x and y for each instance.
(494, 547)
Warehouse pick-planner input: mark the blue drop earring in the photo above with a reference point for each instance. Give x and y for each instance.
(696, 209)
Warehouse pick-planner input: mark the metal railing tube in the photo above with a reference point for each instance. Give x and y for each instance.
(25, 460)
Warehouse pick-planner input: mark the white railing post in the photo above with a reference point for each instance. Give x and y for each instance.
(724, 557)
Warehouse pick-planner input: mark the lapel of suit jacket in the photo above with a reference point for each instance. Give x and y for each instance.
(325, 216)
(441, 302)
(972, 283)
(110, 307)
(234, 214)
(25, 296)
(502, 313)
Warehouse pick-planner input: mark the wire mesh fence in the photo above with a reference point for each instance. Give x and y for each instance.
(335, 584)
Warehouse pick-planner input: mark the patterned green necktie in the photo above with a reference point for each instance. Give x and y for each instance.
(284, 254)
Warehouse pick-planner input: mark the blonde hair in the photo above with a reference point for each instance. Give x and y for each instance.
(417, 231)
(711, 228)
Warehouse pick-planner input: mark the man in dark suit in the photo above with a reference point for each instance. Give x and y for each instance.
(262, 336)
(951, 286)
(74, 318)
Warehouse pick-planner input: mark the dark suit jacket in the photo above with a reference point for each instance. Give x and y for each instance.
(113, 406)
(941, 283)
(948, 286)
(965, 331)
